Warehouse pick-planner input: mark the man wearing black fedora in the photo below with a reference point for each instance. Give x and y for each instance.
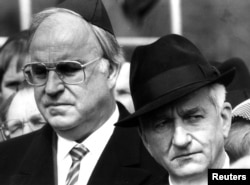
(74, 63)
(180, 108)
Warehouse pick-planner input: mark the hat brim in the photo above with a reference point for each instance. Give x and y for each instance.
(132, 121)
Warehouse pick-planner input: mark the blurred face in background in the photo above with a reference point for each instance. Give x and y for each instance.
(12, 78)
(13, 55)
(23, 115)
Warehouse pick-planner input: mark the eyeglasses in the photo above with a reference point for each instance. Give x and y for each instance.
(18, 127)
(70, 72)
(4, 134)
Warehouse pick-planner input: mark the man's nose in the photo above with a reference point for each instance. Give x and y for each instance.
(181, 137)
(54, 84)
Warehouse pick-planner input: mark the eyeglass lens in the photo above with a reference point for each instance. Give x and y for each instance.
(18, 127)
(69, 72)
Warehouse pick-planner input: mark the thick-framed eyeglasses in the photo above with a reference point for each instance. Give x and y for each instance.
(70, 72)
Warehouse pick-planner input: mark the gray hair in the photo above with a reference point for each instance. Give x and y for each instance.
(217, 95)
(111, 49)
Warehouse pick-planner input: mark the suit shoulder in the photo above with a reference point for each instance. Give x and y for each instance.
(18, 143)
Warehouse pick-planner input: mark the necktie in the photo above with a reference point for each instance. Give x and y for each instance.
(77, 153)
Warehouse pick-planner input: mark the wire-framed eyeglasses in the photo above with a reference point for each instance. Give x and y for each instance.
(16, 127)
(70, 72)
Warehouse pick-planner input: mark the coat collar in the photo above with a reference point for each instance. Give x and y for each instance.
(37, 167)
(120, 162)
(132, 151)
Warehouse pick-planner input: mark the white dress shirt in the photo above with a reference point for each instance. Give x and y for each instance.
(95, 143)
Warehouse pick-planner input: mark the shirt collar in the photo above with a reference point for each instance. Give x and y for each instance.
(98, 139)
(227, 162)
(94, 143)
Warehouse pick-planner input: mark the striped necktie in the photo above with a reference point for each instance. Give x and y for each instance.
(76, 153)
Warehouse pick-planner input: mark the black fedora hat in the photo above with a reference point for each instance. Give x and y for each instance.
(165, 71)
(239, 89)
(92, 11)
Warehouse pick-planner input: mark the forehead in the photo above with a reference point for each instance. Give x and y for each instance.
(63, 34)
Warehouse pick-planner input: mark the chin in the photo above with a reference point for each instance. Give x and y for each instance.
(61, 123)
(190, 169)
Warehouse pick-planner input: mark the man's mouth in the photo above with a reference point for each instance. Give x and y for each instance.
(56, 104)
(184, 155)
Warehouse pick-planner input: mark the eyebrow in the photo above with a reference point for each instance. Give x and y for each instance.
(191, 111)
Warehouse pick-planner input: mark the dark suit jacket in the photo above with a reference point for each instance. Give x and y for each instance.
(28, 160)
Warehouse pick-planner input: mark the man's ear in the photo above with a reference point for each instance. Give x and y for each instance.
(113, 72)
(226, 115)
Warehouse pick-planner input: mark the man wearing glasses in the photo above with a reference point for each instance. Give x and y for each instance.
(73, 67)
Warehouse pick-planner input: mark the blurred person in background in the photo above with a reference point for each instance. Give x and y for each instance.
(238, 142)
(122, 90)
(238, 94)
(180, 109)
(20, 115)
(239, 89)
(4, 106)
(75, 60)
(13, 56)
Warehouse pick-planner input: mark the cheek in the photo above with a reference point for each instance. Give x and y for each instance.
(218, 139)
(38, 92)
(158, 143)
(210, 139)
(38, 98)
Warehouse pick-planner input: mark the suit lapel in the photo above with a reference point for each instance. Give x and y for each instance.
(37, 167)
(120, 159)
